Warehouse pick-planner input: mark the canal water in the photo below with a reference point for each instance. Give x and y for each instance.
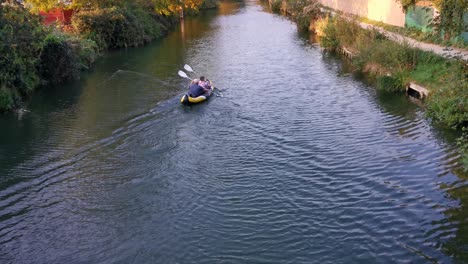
(296, 160)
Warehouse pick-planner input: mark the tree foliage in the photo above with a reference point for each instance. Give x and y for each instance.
(451, 21)
(21, 37)
(117, 27)
(44, 5)
(163, 7)
(167, 7)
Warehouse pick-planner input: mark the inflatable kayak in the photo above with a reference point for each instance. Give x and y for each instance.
(188, 100)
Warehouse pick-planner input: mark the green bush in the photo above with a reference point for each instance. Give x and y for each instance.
(392, 83)
(349, 32)
(86, 50)
(330, 39)
(275, 5)
(6, 99)
(303, 11)
(449, 104)
(32, 54)
(21, 35)
(117, 27)
(394, 57)
(63, 56)
(58, 61)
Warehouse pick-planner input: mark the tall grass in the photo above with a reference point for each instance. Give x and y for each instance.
(275, 5)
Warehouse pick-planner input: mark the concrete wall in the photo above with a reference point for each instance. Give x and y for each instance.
(386, 11)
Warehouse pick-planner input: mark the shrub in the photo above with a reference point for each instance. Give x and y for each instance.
(275, 5)
(117, 27)
(394, 83)
(393, 56)
(58, 61)
(21, 34)
(63, 56)
(303, 12)
(329, 38)
(86, 50)
(449, 104)
(6, 99)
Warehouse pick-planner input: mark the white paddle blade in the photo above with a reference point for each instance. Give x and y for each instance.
(183, 74)
(188, 68)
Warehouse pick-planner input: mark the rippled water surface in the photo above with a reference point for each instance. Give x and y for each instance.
(297, 161)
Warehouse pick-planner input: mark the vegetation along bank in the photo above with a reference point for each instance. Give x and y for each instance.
(33, 54)
(394, 65)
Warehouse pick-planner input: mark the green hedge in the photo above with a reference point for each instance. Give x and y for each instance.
(118, 27)
(21, 36)
(63, 57)
(32, 54)
(58, 62)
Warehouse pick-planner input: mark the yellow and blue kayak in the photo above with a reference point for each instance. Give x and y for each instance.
(187, 100)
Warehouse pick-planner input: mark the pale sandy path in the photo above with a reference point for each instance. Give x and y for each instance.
(447, 52)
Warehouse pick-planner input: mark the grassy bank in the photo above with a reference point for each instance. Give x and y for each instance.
(395, 65)
(34, 55)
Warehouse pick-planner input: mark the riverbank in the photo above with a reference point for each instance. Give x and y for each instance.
(37, 56)
(394, 62)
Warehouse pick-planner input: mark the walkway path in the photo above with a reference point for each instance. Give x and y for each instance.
(447, 52)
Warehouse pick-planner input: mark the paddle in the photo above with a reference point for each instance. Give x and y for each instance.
(183, 75)
(188, 68)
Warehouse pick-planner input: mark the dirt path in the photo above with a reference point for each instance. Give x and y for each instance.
(447, 52)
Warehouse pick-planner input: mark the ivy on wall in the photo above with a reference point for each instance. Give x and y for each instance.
(450, 22)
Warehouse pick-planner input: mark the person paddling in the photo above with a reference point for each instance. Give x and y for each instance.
(196, 90)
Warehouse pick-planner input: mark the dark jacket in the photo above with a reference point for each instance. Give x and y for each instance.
(196, 90)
